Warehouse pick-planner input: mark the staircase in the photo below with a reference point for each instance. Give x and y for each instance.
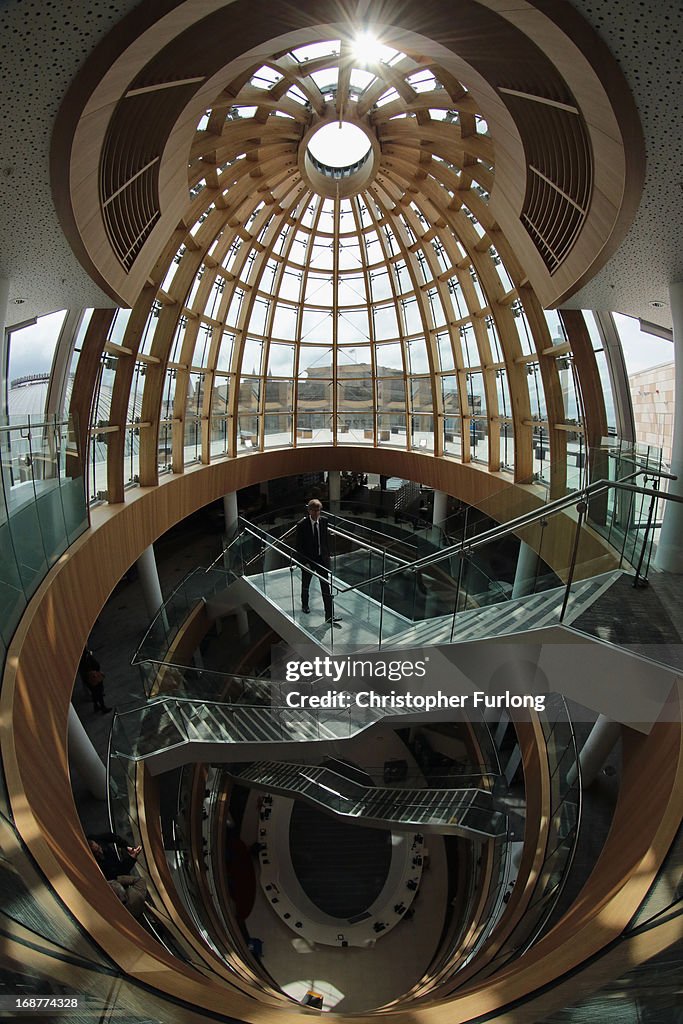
(463, 812)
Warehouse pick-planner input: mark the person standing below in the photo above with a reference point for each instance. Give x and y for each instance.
(93, 679)
(313, 550)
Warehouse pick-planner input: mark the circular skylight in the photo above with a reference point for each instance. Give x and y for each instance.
(339, 144)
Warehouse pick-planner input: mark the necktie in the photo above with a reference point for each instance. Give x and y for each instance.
(316, 534)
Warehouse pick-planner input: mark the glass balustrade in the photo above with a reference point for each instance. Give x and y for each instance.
(42, 507)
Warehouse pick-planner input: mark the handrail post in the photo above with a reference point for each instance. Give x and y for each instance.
(381, 602)
(457, 593)
(581, 508)
(642, 581)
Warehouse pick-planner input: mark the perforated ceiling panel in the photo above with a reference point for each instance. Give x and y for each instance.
(646, 39)
(42, 45)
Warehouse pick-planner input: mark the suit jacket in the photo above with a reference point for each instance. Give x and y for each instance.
(305, 541)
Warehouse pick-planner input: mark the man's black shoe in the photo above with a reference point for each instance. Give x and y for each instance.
(335, 621)
(305, 609)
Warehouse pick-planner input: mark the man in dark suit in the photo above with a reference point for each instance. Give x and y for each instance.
(313, 549)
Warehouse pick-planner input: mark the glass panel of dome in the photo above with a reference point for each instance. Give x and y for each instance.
(279, 395)
(214, 298)
(450, 396)
(391, 392)
(135, 394)
(313, 358)
(477, 288)
(476, 397)
(316, 325)
(277, 431)
(418, 359)
(319, 289)
(445, 348)
(248, 432)
(299, 247)
(231, 254)
(326, 80)
(361, 79)
(150, 329)
(380, 286)
(422, 81)
(326, 218)
(411, 317)
(224, 360)
(507, 446)
(436, 307)
(218, 441)
(555, 327)
(280, 360)
(496, 351)
(388, 357)
(468, 345)
(355, 395)
(290, 285)
(219, 396)
(523, 328)
(352, 325)
(312, 51)
(202, 346)
(284, 322)
(359, 355)
(265, 78)
(566, 372)
(249, 395)
(387, 97)
(391, 429)
(314, 395)
(351, 290)
(296, 94)
(503, 393)
(168, 394)
(536, 393)
(233, 314)
(385, 322)
(479, 446)
(421, 399)
(252, 356)
(322, 256)
(452, 435)
(313, 428)
(257, 318)
(349, 256)
(373, 249)
(422, 432)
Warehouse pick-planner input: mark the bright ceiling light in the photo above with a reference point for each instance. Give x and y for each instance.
(367, 49)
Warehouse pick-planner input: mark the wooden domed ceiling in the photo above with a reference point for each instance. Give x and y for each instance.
(272, 284)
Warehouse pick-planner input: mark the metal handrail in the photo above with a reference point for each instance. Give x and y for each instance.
(502, 530)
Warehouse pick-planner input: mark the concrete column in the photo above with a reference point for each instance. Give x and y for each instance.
(440, 510)
(670, 545)
(526, 571)
(149, 581)
(334, 490)
(595, 751)
(231, 513)
(84, 758)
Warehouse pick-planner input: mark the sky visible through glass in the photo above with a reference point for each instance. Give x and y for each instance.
(339, 144)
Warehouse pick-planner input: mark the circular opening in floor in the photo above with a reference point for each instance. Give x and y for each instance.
(341, 867)
(339, 145)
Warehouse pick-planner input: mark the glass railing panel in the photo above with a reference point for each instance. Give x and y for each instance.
(12, 595)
